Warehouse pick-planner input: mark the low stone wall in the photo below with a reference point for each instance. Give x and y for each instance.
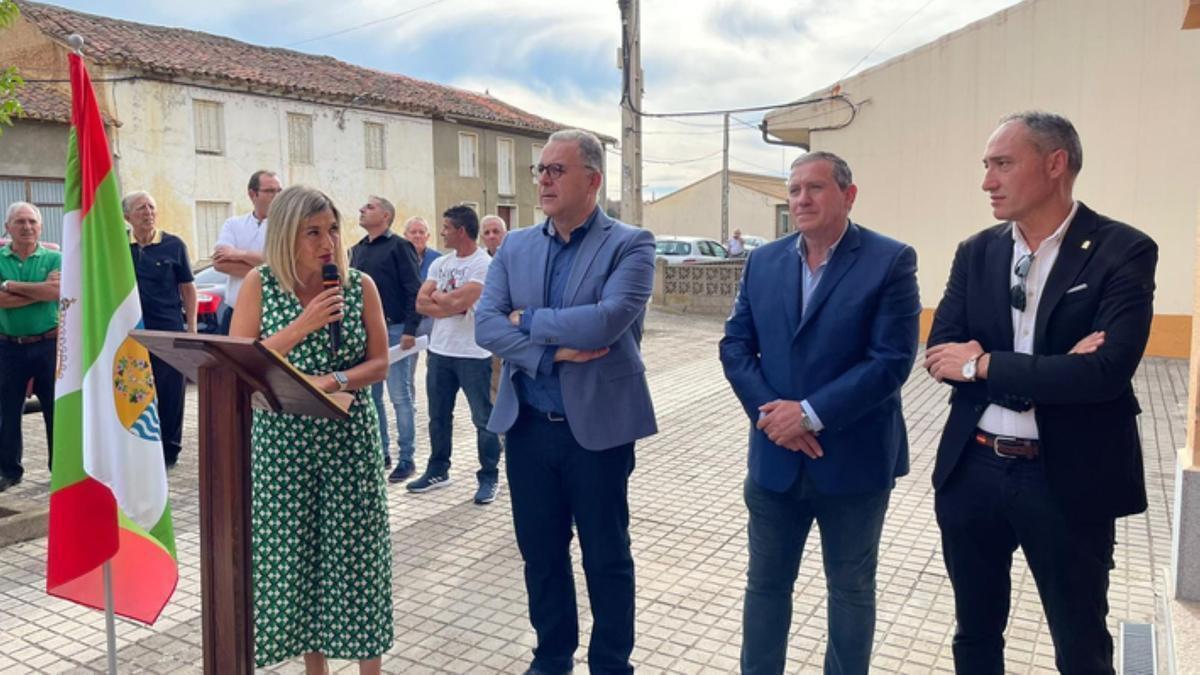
(707, 288)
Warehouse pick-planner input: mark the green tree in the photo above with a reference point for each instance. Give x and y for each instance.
(10, 81)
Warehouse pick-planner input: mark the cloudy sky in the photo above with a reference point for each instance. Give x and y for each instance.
(558, 59)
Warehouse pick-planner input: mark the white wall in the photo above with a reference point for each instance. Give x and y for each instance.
(1122, 71)
(155, 145)
(696, 211)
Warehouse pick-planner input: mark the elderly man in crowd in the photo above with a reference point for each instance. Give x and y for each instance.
(29, 275)
(168, 296)
(492, 229)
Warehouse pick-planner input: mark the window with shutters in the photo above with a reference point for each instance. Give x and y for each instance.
(468, 155)
(505, 159)
(300, 138)
(45, 193)
(210, 216)
(374, 141)
(209, 122)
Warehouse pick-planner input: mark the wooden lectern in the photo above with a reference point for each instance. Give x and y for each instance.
(234, 374)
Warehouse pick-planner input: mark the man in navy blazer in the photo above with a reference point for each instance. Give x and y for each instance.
(563, 306)
(1042, 326)
(822, 336)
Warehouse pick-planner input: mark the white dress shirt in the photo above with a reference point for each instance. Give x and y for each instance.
(996, 419)
(247, 233)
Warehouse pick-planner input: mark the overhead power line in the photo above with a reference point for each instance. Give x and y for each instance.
(367, 24)
(887, 37)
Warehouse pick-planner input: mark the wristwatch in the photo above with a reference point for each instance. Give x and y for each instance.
(341, 379)
(4, 285)
(807, 423)
(968, 369)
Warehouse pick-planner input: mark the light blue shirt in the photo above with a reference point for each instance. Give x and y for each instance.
(809, 280)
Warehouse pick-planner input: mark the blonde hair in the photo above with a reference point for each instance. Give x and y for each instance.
(289, 210)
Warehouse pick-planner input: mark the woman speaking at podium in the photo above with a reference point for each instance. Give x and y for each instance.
(320, 542)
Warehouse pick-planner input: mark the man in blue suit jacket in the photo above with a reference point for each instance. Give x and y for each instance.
(563, 306)
(822, 336)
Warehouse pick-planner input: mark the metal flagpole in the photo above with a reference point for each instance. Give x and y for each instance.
(110, 626)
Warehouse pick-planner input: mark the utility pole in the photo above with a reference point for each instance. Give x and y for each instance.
(631, 121)
(725, 186)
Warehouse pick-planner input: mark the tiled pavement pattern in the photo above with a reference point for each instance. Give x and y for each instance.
(459, 598)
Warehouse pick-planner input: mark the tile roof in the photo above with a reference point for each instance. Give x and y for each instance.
(45, 102)
(181, 53)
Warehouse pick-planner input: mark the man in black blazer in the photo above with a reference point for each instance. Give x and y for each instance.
(1042, 325)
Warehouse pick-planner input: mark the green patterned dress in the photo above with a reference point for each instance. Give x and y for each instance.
(321, 548)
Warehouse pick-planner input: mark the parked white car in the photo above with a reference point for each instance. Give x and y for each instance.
(689, 250)
(752, 242)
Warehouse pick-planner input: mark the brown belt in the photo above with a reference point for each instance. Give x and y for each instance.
(1009, 447)
(30, 339)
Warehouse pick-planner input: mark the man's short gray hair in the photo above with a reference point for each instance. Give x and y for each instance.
(415, 219)
(590, 149)
(841, 170)
(490, 217)
(386, 205)
(12, 211)
(1051, 132)
(128, 200)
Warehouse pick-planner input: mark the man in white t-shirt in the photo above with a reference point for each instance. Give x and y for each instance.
(240, 245)
(449, 294)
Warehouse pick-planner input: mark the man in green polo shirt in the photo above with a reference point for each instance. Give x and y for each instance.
(28, 332)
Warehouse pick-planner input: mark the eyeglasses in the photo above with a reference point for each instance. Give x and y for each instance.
(1017, 294)
(556, 171)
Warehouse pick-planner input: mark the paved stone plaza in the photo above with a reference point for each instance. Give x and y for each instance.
(459, 596)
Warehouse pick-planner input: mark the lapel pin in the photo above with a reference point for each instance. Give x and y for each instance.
(1085, 244)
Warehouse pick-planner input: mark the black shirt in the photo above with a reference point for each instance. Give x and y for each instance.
(391, 261)
(160, 267)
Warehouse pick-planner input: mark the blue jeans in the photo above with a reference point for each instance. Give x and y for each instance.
(444, 376)
(779, 525)
(400, 391)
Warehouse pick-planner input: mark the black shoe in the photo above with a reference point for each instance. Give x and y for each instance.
(387, 461)
(429, 482)
(536, 671)
(6, 482)
(404, 469)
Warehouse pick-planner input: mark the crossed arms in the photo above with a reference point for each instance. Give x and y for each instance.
(576, 333)
(1098, 368)
(22, 293)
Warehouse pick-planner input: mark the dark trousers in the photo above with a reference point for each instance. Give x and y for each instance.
(779, 526)
(444, 376)
(991, 505)
(18, 364)
(170, 386)
(554, 481)
(226, 321)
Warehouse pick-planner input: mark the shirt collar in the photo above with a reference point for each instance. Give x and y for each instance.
(387, 234)
(802, 246)
(8, 252)
(156, 239)
(549, 231)
(1058, 234)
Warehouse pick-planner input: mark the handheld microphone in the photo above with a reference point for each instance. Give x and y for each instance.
(331, 279)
